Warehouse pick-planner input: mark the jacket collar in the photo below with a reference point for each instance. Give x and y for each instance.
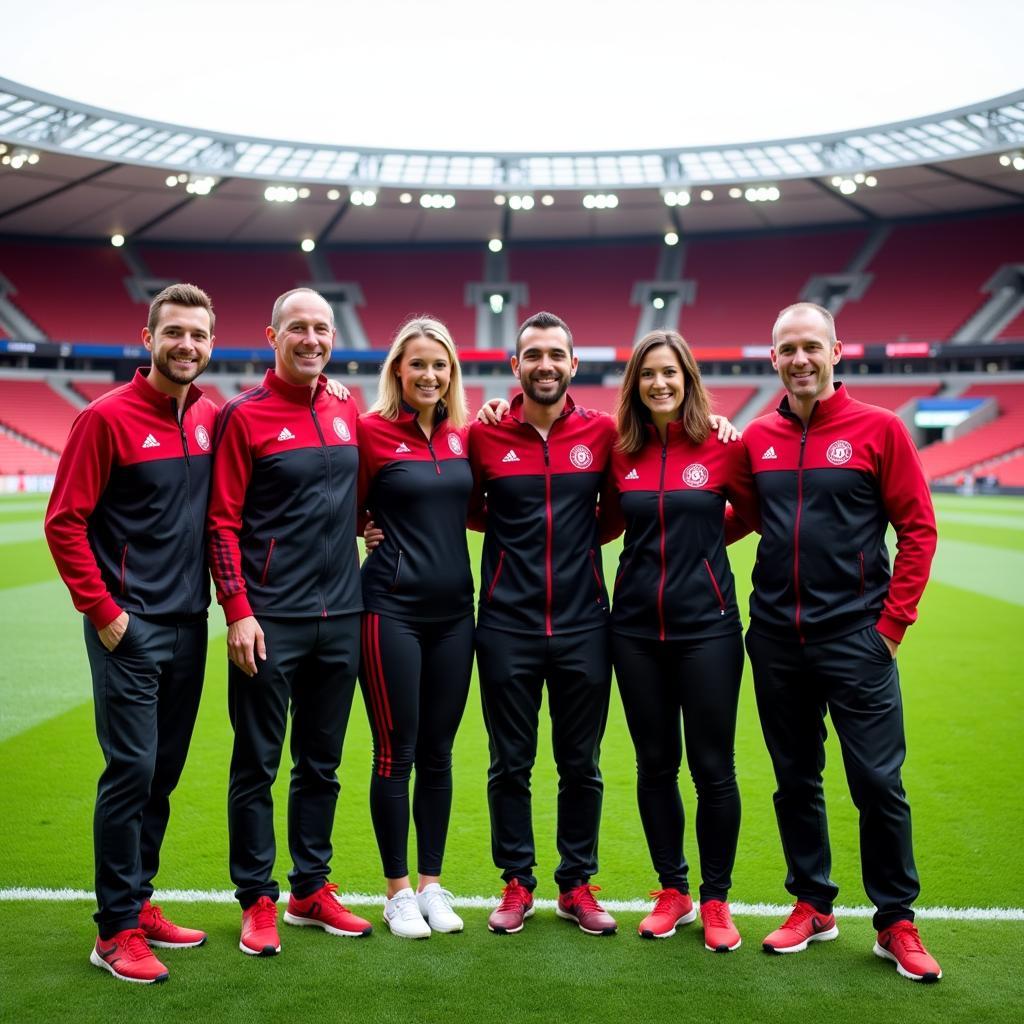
(515, 411)
(299, 394)
(408, 413)
(146, 391)
(824, 409)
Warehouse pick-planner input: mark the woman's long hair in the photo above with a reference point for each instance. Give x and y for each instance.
(631, 413)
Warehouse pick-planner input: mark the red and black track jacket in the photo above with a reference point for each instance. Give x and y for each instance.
(417, 491)
(282, 519)
(674, 581)
(541, 567)
(828, 492)
(126, 517)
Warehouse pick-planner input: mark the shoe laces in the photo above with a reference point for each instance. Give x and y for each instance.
(135, 946)
(332, 891)
(664, 898)
(405, 906)
(154, 913)
(800, 913)
(439, 895)
(264, 913)
(514, 896)
(907, 935)
(583, 895)
(715, 913)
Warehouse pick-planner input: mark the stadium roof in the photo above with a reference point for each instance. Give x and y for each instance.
(71, 170)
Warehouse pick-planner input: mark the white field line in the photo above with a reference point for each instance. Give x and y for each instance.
(361, 899)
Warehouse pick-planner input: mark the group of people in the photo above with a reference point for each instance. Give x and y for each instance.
(270, 493)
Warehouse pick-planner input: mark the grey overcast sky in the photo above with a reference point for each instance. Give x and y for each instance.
(532, 75)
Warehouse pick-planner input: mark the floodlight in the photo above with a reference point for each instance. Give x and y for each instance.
(333, 194)
(405, 198)
(117, 241)
(495, 245)
(658, 302)
(497, 301)
(548, 200)
(171, 180)
(307, 245)
(671, 238)
(706, 194)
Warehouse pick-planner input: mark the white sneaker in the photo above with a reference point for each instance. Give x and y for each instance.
(402, 915)
(435, 905)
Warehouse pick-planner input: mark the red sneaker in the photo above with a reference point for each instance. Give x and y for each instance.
(324, 910)
(516, 905)
(671, 908)
(165, 934)
(127, 957)
(720, 934)
(259, 929)
(902, 944)
(804, 924)
(580, 906)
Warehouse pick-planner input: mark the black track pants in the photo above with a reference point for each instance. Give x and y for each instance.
(146, 695)
(856, 681)
(513, 670)
(415, 681)
(700, 678)
(311, 665)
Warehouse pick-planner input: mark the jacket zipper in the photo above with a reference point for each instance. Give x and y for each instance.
(497, 573)
(714, 583)
(330, 505)
(398, 572)
(430, 448)
(188, 493)
(549, 573)
(661, 525)
(266, 564)
(796, 526)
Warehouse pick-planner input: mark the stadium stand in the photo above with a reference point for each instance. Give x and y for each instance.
(927, 278)
(1009, 472)
(1014, 330)
(728, 401)
(17, 458)
(1003, 434)
(242, 283)
(73, 292)
(33, 409)
(742, 281)
(90, 390)
(589, 286)
(401, 283)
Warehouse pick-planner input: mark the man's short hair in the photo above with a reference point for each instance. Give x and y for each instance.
(275, 316)
(179, 295)
(542, 320)
(830, 322)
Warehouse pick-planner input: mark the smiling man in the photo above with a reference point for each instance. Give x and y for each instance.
(543, 619)
(827, 615)
(282, 525)
(125, 526)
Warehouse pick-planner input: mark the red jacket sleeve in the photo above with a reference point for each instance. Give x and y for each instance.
(476, 517)
(908, 504)
(232, 471)
(82, 475)
(743, 513)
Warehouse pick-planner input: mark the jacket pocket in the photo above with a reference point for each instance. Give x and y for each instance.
(715, 587)
(496, 576)
(398, 573)
(266, 563)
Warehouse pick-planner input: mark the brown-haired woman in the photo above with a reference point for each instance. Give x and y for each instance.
(676, 633)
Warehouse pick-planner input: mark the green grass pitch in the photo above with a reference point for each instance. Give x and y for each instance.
(962, 682)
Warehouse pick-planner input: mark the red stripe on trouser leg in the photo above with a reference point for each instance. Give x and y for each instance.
(382, 740)
(380, 663)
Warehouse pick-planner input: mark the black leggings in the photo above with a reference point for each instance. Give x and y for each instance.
(658, 679)
(415, 681)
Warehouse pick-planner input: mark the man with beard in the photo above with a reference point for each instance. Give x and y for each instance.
(826, 619)
(125, 527)
(543, 618)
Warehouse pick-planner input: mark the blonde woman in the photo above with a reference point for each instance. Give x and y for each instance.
(417, 633)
